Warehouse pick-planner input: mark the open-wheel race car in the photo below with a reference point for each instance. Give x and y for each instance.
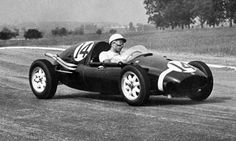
(142, 75)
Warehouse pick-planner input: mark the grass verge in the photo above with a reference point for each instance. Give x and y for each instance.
(216, 42)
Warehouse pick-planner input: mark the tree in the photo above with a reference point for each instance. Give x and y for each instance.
(215, 13)
(201, 9)
(230, 9)
(7, 34)
(235, 18)
(156, 9)
(173, 13)
(186, 14)
(158, 20)
(131, 27)
(32, 34)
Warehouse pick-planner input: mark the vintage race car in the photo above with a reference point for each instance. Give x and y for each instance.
(141, 75)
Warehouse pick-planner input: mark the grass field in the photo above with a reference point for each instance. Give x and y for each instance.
(217, 42)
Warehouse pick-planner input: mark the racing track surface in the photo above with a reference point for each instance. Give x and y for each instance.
(78, 115)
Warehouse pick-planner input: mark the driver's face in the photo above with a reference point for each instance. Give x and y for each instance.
(119, 44)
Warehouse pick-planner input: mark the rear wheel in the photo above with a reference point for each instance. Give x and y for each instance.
(206, 91)
(42, 79)
(134, 85)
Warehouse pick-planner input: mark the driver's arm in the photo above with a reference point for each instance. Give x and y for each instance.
(107, 61)
(119, 58)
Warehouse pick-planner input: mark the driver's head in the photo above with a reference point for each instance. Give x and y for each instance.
(117, 42)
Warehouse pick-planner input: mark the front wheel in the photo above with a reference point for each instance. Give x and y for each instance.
(42, 79)
(206, 91)
(134, 85)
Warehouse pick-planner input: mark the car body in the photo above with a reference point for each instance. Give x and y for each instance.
(141, 75)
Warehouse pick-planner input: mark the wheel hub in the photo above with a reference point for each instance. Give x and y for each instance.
(38, 79)
(131, 85)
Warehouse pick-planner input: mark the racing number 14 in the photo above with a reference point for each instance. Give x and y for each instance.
(82, 51)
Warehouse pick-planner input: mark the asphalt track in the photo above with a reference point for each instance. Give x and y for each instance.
(78, 115)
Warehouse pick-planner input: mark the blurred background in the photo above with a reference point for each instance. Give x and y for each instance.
(198, 26)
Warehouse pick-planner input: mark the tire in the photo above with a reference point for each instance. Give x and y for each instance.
(134, 85)
(42, 78)
(206, 91)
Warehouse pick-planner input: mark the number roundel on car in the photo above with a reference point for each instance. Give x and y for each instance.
(83, 50)
(181, 67)
(174, 66)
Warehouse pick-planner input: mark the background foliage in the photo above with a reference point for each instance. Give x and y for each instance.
(183, 13)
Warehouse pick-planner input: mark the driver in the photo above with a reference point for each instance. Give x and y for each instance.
(113, 55)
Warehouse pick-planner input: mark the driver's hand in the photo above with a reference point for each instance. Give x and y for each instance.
(120, 63)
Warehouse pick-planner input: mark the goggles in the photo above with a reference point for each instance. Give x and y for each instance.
(119, 42)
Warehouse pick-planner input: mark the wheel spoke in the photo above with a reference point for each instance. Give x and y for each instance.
(135, 79)
(126, 81)
(41, 73)
(134, 93)
(44, 84)
(136, 89)
(37, 85)
(44, 79)
(34, 78)
(127, 87)
(136, 84)
(130, 77)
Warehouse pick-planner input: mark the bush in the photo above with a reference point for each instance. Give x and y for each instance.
(99, 31)
(112, 31)
(32, 34)
(79, 31)
(60, 31)
(5, 36)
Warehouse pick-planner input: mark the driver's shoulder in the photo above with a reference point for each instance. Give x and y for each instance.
(104, 53)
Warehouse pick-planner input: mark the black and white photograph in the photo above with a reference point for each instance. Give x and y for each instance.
(117, 70)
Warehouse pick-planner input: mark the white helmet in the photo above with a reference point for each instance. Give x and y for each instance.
(116, 37)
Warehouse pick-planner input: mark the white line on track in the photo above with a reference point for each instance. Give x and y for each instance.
(38, 48)
(62, 49)
(221, 66)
